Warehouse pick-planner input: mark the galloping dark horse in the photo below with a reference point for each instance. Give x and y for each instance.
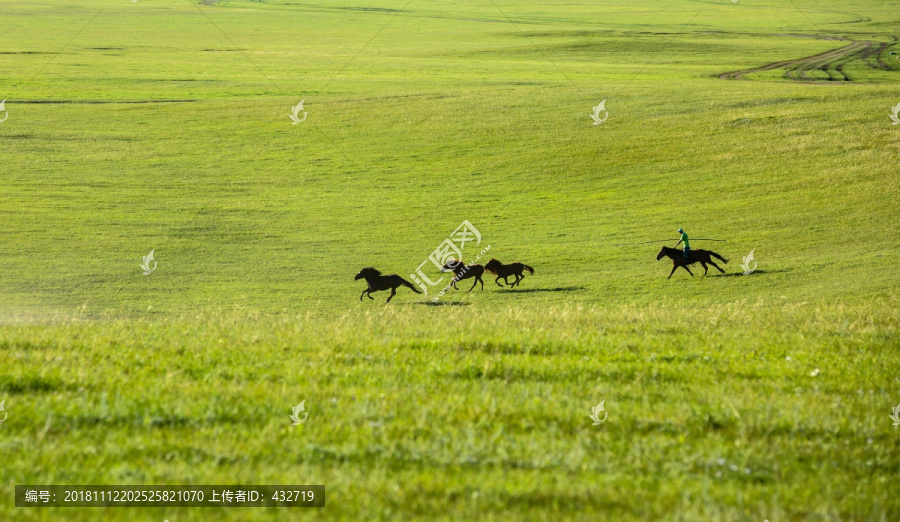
(513, 269)
(378, 282)
(461, 271)
(697, 256)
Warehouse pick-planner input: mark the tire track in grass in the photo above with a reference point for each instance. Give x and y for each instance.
(830, 62)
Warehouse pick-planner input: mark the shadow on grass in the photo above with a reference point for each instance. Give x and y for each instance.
(533, 290)
(444, 303)
(755, 272)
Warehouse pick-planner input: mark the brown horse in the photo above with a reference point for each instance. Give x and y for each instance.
(461, 271)
(696, 256)
(378, 282)
(513, 269)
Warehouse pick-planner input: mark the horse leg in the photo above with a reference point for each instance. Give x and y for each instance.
(393, 293)
(506, 280)
(705, 268)
(498, 282)
(689, 270)
(717, 266)
(482, 283)
(475, 282)
(364, 293)
(674, 267)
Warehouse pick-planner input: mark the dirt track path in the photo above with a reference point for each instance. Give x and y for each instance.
(830, 62)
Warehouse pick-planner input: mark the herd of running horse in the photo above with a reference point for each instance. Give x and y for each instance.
(377, 282)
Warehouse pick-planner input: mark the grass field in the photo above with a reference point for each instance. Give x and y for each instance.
(164, 125)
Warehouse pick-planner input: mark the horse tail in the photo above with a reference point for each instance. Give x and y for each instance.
(410, 285)
(718, 256)
(530, 270)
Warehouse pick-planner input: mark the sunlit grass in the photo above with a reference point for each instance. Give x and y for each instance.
(730, 397)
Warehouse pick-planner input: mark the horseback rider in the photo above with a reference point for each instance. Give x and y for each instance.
(687, 244)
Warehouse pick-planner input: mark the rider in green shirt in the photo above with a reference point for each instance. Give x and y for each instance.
(687, 244)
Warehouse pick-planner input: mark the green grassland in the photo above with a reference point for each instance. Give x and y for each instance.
(163, 124)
